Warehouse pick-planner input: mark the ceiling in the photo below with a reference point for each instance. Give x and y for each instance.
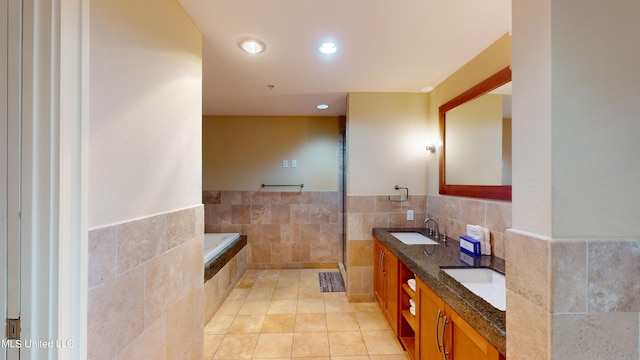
(383, 46)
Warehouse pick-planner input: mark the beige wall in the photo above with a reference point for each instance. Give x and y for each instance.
(507, 150)
(493, 59)
(386, 139)
(145, 103)
(242, 152)
(574, 208)
(531, 122)
(592, 47)
(145, 297)
(453, 213)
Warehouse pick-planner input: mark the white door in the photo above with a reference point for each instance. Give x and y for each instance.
(10, 160)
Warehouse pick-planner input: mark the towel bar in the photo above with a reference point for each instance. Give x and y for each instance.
(276, 185)
(397, 187)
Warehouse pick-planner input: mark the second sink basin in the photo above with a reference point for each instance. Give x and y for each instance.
(413, 238)
(486, 283)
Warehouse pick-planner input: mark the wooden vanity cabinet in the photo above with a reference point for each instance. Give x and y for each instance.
(435, 332)
(443, 331)
(431, 309)
(408, 322)
(466, 343)
(385, 283)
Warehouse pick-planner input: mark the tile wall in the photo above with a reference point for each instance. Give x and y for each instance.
(572, 299)
(146, 288)
(284, 229)
(363, 214)
(452, 214)
(297, 230)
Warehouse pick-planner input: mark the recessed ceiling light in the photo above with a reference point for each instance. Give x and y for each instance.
(322, 107)
(252, 46)
(328, 48)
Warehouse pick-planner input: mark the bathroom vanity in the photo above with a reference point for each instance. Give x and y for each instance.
(448, 321)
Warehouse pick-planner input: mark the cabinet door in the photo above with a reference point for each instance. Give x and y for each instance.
(385, 283)
(378, 276)
(467, 344)
(392, 289)
(430, 315)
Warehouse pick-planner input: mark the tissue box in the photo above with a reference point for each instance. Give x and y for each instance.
(470, 246)
(470, 260)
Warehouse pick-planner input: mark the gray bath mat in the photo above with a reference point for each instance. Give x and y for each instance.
(331, 282)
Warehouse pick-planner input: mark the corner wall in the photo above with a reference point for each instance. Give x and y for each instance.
(364, 214)
(386, 140)
(575, 207)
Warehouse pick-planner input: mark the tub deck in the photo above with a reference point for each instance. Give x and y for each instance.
(218, 261)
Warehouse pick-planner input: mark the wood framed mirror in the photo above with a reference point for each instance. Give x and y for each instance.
(499, 187)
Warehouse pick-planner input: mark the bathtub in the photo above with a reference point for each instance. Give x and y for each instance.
(216, 244)
(219, 250)
(225, 259)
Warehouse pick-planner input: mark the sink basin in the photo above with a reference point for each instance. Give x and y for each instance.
(486, 283)
(413, 238)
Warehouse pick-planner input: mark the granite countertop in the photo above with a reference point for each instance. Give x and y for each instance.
(483, 317)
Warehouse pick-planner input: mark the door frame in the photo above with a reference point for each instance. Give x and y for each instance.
(11, 94)
(4, 101)
(55, 108)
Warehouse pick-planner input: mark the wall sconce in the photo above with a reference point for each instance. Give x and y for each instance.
(431, 148)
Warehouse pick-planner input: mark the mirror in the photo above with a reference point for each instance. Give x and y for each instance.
(475, 130)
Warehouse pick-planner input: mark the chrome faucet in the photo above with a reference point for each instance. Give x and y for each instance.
(435, 226)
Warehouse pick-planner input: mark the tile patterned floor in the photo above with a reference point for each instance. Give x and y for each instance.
(281, 314)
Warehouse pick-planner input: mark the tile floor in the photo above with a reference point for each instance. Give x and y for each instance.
(281, 314)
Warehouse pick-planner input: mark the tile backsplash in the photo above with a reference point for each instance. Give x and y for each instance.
(454, 213)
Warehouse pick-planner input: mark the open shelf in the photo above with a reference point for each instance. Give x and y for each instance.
(408, 323)
(411, 320)
(407, 289)
(409, 344)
